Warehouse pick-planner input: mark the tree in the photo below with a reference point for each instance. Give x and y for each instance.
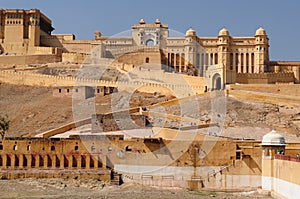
(4, 125)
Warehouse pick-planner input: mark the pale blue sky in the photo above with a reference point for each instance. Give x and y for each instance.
(281, 19)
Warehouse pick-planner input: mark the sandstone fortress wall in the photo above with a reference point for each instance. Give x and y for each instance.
(185, 87)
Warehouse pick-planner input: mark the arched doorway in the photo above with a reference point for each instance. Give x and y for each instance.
(149, 42)
(147, 60)
(217, 82)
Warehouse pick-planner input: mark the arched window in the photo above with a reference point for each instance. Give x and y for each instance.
(147, 60)
(150, 42)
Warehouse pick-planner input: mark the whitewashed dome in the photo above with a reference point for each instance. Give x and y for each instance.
(190, 32)
(273, 138)
(260, 31)
(224, 32)
(142, 21)
(157, 21)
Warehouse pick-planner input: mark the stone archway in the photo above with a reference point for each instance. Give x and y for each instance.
(216, 82)
(150, 42)
(147, 60)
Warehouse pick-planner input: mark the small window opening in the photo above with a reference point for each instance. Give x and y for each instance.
(52, 148)
(93, 148)
(128, 148)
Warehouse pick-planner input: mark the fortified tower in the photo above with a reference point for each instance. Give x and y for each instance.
(261, 62)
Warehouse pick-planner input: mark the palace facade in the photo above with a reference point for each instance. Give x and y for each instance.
(224, 58)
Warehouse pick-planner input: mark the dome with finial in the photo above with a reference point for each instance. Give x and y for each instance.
(273, 138)
(260, 31)
(224, 32)
(142, 21)
(157, 21)
(190, 32)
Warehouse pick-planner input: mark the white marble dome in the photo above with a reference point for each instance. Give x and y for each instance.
(273, 138)
(190, 32)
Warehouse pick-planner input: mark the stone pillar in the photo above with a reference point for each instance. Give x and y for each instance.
(53, 161)
(78, 159)
(45, 159)
(245, 63)
(103, 159)
(37, 160)
(29, 160)
(21, 161)
(96, 161)
(240, 63)
(213, 61)
(233, 61)
(179, 62)
(250, 63)
(87, 161)
(62, 161)
(4, 161)
(183, 61)
(70, 161)
(12, 161)
(174, 61)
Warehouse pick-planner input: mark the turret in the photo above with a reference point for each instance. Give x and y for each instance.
(224, 47)
(261, 62)
(272, 143)
(224, 40)
(190, 47)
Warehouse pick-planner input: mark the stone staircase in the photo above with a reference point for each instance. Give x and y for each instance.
(115, 178)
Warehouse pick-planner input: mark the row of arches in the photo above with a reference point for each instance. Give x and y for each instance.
(52, 161)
